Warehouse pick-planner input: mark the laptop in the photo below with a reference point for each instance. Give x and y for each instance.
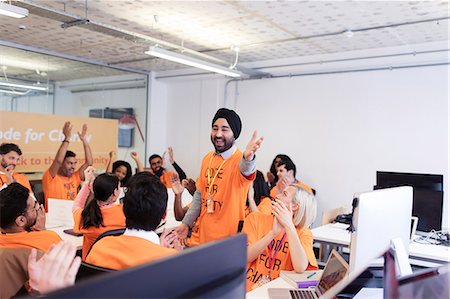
(335, 270)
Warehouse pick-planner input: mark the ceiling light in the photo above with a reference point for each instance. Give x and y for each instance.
(13, 11)
(24, 86)
(187, 60)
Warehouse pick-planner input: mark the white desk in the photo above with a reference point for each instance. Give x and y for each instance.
(261, 292)
(75, 240)
(336, 234)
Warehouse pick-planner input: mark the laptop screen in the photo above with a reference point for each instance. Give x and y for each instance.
(334, 271)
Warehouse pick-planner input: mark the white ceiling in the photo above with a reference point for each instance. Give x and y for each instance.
(120, 31)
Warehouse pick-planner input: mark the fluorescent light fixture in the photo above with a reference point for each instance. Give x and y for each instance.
(23, 86)
(13, 92)
(13, 11)
(187, 60)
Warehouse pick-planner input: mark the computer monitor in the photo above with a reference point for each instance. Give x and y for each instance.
(428, 198)
(213, 270)
(378, 217)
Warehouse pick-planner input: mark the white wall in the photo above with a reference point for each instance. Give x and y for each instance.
(338, 128)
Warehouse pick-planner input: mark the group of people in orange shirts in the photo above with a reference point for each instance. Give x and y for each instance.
(230, 196)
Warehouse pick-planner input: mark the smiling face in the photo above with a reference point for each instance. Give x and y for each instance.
(120, 172)
(68, 166)
(282, 172)
(9, 159)
(221, 135)
(156, 164)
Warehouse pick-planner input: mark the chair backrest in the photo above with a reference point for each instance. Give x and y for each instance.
(87, 270)
(113, 232)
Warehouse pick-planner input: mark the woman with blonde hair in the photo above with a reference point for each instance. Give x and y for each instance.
(282, 241)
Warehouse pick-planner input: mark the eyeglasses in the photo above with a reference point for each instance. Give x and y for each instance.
(35, 207)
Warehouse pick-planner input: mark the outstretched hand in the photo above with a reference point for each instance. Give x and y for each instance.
(67, 130)
(83, 132)
(177, 187)
(252, 146)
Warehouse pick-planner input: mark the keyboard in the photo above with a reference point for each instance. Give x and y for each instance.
(302, 294)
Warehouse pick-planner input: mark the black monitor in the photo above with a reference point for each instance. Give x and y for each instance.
(428, 196)
(213, 270)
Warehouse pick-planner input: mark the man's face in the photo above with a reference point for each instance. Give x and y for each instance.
(68, 166)
(221, 135)
(31, 213)
(156, 164)
(283, 173)
(9, 159)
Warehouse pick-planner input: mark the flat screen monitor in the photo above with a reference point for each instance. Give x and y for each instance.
(428, 198)
(378, 217)
(213, 270)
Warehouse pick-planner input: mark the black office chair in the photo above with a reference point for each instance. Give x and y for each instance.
(88, 270)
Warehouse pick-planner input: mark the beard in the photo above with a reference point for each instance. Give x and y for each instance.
(159, 172)
(222, 144)
(30, 223)
(4, 164)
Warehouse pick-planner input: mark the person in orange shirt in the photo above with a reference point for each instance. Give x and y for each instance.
(157, 166)
(122, 169)
(22, 220)
(9, 157)
(101, 213)
(286, 171)
(61, 181)
(282, 241)
(218, 205)
(258, 193)
(272, 176)
(144, 206)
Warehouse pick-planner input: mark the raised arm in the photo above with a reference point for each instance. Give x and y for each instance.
(87, 152)
(135, 157)
(61, 153)
(247, 165)
(112, 157)
(178, 169)
(82, 196)
(177, 189)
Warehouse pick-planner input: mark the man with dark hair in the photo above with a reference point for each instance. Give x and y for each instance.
(286, 172)
(156, 164)
(22, 220)
(9, 157)
(218, 205)
(144, 206)
(61, 181)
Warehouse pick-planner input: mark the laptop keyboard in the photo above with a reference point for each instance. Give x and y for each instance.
(302, 294)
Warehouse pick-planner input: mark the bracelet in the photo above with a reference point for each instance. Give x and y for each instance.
(66, 141)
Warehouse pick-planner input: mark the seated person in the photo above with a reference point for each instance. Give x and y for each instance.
(178, 189)
(144, 206)
(101, 213)
(9, 157)
(157, 166)
(272, 176)
(22, 220)
(258, 196)
(282, 241)
(122, 169)
(286, 171)
(61, 181)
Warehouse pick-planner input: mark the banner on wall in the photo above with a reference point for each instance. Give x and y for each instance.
(40, 135)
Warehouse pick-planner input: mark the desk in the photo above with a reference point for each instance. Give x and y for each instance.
(77, 241)
(336, 234)
(261, 292)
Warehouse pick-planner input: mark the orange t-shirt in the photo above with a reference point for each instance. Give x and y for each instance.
(256, 226)
(60, 187)
(265, 206)
(20, 178)
(113, 218)
(118, 252)
(279, 188)
(229, 193)
(37, 239)
(165, 178)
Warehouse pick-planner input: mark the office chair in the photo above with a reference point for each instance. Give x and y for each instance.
(113, 232)
(88, 270)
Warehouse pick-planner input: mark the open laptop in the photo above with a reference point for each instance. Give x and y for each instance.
(335, 270)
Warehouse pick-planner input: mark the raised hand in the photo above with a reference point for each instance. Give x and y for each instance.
(67, 130)
(252, 146)
(189, 184)
(134, 156)
(89, 174)
(177, 187)
(83, 132)
(170, 151)
(112, 155)
(40, 219)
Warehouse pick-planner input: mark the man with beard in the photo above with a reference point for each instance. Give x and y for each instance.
(225, 176)
(61, 181)
(156, 164)
(9, 157)
(22, 220)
